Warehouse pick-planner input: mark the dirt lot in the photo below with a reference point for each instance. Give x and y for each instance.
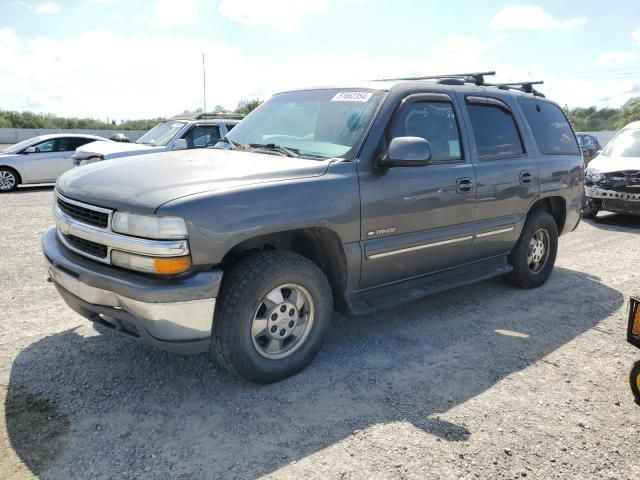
(481, 382)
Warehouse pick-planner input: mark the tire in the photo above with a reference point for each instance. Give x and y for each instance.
(267, 357)
(634, 381)
(9, 179)
(526, 273)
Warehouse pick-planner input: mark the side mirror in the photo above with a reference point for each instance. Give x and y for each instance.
(29, 150)
(180, 144)
(407, 152)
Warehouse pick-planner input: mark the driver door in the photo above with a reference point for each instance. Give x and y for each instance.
(418, 220)
(44, 164)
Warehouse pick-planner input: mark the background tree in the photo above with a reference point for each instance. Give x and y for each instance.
(630, 112)
(246, 106)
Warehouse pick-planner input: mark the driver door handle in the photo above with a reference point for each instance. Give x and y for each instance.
(464, 185)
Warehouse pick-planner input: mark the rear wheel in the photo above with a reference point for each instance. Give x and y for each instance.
(534, 255)
(8, 179)
(273, 313)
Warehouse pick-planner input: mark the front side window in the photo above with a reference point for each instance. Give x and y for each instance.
(314, 123)
(435, 122)
(550, 128)
(625, 144)
(495, 131)
(202, 136)
(161, 134)
(48, 146)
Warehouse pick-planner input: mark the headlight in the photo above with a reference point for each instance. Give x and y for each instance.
(594, 175)
(160, 265)
(160, 228)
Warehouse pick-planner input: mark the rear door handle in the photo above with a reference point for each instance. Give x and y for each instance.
(525, 177)
(464, 185)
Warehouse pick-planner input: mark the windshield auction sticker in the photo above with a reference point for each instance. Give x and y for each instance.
(352, 97)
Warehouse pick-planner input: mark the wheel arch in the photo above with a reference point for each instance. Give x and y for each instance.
(556, 206)
(320, 245)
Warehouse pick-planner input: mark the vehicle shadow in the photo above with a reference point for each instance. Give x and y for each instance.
(607, 220)
(105, 405)
(39, 187)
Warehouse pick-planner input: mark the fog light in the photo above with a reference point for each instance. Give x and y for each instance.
(162, 266)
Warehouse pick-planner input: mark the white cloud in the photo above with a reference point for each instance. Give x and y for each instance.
(107, 84)
(615, 59)
(636, 34)
(279, 14)
(530, 17)
(170, 13)
(106, 2)
(48, 7)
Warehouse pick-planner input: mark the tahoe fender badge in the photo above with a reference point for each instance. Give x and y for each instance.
(381, 231)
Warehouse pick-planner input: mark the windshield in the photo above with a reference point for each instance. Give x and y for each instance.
(313, 123)
(161, 134)
(625, 144)
(21, 145)
(582, 141)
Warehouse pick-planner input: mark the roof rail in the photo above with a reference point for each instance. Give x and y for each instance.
(212, 116)
(474, 77)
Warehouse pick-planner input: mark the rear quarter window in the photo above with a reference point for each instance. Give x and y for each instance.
(550, 128)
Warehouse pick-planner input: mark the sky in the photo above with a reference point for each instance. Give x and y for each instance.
(125, 59)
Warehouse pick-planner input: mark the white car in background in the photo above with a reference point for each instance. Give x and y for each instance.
(39, 159)
(178, 133)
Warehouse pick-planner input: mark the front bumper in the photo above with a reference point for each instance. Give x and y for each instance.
(173, 314)
(613, 200)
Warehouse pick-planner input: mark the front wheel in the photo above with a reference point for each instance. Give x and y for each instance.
(273, 313)
(8, 180)
(534, 255)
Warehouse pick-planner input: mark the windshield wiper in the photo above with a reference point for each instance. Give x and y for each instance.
(289, 152)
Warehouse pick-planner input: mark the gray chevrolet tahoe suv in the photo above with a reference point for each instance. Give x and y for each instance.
(361, 197)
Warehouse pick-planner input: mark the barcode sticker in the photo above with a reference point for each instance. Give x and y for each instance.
(352, 97)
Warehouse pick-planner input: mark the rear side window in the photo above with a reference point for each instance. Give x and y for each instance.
(550, 128)
(495, 131)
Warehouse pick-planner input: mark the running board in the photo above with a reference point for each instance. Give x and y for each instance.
(389, 296)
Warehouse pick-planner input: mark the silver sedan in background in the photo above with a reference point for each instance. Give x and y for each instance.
(39, 159)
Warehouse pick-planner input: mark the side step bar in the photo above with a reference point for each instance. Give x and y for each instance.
(389, 296)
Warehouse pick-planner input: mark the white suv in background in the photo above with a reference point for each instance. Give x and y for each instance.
(177, 133)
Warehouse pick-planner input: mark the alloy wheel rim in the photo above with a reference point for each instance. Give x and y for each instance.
(282, 321)
(7, 180)
(538, 251)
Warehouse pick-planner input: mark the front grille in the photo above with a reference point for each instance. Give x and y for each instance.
(92, 248)
(84, 215)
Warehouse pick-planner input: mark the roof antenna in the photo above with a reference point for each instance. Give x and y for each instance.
(204, 85)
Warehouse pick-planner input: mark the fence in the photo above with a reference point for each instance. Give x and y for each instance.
(15, 135)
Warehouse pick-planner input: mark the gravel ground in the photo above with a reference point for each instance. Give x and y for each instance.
(481, 382)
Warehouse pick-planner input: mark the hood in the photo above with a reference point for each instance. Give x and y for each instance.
(143, 183)
(615, 164)
(108, 149)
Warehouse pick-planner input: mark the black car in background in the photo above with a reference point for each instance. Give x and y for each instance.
(589, 145)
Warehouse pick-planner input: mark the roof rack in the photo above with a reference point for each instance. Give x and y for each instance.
(475, 78)
(212, 116)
